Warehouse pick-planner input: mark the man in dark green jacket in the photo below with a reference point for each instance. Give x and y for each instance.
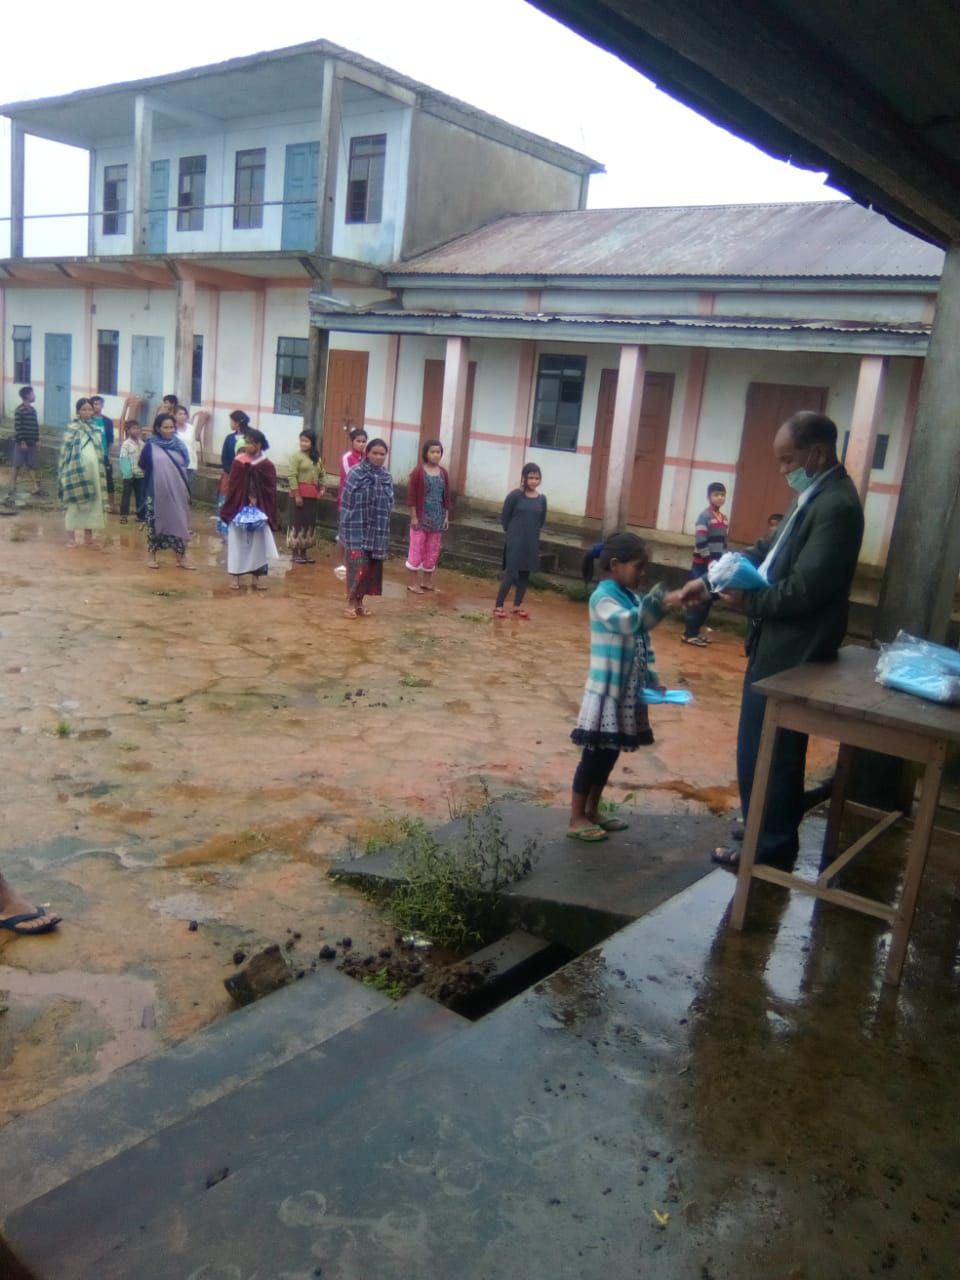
(809, 562)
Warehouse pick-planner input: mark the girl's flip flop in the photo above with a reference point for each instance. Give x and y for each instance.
(588, 835)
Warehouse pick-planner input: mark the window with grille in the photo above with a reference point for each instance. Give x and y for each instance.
(879, 451)
(365, 179)
(22, 337)
(114, 199)
(108, 361)
(196, 375)
(191, 193)
(248, 184)
(290, 395)
(559, 397)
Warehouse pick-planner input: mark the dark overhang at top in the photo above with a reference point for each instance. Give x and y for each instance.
(867, 92)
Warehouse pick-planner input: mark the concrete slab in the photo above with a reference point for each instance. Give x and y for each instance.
(578, 894)
(82, 1130)
(682, 1101)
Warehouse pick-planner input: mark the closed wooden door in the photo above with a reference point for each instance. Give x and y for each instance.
(159, 200)
(761, 489)
(344, 403)
(57, 406)
(432, 403)
(651, 447)
(301, 176)
(146, 374)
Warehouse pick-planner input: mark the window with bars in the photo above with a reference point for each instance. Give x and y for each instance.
(108, 361)
(559, 397)
(290, 395)
(191, 193)
(22, 339)
(196, 374)
(365, 178)
(248, 185)
(879, 451)
(114, 199)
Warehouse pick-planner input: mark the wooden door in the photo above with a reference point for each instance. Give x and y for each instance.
(761, 489)
(57, 405)
(432, 403)
(651, 447)
(301, 175)
(344, 403)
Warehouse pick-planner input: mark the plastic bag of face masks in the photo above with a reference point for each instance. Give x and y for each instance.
(669, 697)
(918, 667)
(735, 572)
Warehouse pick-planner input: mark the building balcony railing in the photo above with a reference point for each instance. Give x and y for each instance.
(103, 232)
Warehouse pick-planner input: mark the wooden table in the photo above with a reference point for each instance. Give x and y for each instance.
(842, 701)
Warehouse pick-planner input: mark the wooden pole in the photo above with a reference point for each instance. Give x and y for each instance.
(924, 557)
(319, 346)
(183, 351)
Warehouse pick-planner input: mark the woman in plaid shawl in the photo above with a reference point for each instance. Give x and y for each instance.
(365, 526)
(81, 479)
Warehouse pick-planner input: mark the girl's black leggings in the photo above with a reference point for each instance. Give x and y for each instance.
(596, 765)
(519, 576)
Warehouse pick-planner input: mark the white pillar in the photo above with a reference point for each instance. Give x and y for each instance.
(92, 206)
(864, 421)
(452, 409)
(183, 350)
(623, 438)
(17, 136)
(139, 186)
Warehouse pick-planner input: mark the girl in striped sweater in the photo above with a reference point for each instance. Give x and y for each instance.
(613, 716)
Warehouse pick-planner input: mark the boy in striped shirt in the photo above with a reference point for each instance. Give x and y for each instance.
(26, 442)
(710, 543)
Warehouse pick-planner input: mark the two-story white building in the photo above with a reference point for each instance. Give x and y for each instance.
(218, 198)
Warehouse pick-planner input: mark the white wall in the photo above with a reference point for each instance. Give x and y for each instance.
(374, 241)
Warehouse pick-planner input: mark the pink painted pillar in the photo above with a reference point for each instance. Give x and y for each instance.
(689, 431)
(623, 438)
(867, 408)
(452, 408)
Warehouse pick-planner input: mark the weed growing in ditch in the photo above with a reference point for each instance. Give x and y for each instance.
(64, 728)
(382, 981)
(453, 894)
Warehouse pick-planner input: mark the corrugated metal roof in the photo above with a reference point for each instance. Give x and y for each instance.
(829, 239)
(724, 323)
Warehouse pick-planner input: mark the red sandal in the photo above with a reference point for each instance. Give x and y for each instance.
(521, 613)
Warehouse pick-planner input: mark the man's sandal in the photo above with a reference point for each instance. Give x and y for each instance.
(724, 856)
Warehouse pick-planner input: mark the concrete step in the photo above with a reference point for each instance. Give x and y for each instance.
(227, 1165)
(87, 1128)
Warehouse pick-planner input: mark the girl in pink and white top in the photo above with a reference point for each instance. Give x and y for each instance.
(352, 458)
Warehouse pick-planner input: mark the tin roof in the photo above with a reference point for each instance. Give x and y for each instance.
(763, 241)
(274, 80)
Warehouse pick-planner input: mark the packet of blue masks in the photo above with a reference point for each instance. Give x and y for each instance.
(734, 572)
(670, 697)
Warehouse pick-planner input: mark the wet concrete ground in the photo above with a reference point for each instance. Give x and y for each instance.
(171, 751)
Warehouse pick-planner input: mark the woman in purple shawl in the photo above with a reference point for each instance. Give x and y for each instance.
(164, 466)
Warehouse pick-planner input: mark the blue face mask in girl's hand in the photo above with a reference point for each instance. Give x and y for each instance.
(799, 480)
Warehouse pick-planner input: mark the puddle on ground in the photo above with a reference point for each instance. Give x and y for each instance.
(122, 1027)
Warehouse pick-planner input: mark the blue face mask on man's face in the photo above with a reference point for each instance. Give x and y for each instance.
(799, 481)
